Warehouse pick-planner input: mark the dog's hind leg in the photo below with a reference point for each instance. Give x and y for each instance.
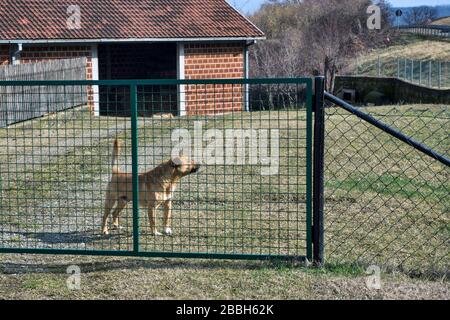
(152, 218)
(109, 204)
(168, 217)
(120, 206)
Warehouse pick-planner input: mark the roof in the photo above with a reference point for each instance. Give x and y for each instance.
(103, 20)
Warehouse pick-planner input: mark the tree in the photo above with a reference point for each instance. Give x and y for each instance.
(312, 37)
(420, 15)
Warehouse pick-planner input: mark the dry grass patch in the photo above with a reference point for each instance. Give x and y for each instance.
(442, 22)
(113, 278)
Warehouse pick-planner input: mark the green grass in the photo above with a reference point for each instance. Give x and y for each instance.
(387, 184)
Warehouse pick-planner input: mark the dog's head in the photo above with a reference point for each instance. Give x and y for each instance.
(184, 166)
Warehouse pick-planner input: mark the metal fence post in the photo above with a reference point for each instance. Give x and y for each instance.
(379, 66)
(420, 72)
(429, 73)
(447, 74)
(135, 165)
(318, 185)
(405, 74)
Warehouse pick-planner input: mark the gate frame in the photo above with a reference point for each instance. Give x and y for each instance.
(319, 167)
(132, 84)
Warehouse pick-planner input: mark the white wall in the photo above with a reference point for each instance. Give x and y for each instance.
(95, 76)
(181, 76)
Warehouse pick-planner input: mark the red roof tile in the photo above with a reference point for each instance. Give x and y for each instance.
(123, 19)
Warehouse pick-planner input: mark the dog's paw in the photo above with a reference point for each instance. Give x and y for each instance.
(105, 232)
(168, 231)
(156, 233)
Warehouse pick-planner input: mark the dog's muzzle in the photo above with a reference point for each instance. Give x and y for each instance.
(195, 169)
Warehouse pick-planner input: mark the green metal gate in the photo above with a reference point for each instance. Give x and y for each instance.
(254, 201)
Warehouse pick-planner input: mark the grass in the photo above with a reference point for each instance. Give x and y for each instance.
(169, 279)
(410, 47)
(413, 47)
(385, 204)
(442, 22)
(387, 184)
(112, 278)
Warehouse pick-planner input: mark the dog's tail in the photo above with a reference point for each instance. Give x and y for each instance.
(115, 155)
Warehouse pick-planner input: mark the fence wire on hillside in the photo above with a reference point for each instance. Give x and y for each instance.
(428, 73)
(441, 31)
(387, 204)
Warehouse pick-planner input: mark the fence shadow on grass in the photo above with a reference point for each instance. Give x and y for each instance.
(110, 264)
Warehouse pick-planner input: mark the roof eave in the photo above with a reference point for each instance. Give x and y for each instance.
(124, 40)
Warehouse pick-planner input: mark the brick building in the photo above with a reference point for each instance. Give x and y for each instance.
(137, 39)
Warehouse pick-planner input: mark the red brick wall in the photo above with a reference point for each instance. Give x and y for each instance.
(214, 61)
(4, 54)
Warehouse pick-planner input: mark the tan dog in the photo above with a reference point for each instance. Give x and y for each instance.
(163, 116)
(156, 188)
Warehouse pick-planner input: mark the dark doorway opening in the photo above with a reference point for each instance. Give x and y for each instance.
(138, 62)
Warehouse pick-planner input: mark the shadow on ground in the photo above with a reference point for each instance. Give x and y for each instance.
(135, 263)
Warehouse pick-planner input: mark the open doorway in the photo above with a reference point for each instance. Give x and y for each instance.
(138, 61)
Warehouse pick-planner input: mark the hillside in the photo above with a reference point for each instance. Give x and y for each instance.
(409, 47)
(443, 21)
(412, 47)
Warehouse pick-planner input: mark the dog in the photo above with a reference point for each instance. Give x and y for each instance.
(163, 116)
(156, 188)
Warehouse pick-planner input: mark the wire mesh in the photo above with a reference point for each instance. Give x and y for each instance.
(55, 168)
(428, 73)
(386, 203)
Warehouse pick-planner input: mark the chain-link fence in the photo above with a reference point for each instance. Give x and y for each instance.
(429, 73)
(386, 203)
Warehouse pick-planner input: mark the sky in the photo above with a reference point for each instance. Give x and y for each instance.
(247, 6)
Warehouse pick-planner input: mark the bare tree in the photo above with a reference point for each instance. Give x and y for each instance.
(420, 15)
(311, 37)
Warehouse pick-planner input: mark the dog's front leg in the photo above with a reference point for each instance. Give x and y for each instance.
(152, 218)
(120, 206)
(168, 217)
(109, 203)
